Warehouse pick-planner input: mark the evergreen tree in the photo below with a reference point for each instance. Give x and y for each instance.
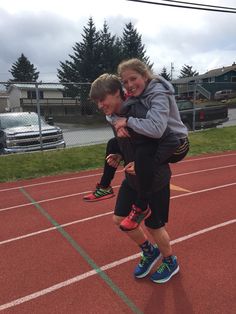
(83, 66)
(165, 74)
(187, 71)
(132, 46)
(109, 51)
(23, 71)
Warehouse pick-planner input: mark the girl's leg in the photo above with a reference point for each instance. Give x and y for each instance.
(138, 235)
(108, 171)
(103, 188)
(144, 169)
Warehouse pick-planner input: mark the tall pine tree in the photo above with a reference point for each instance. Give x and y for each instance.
(109, 51)
(83, 66)
(165, 74)
(187, 71)
(23, 71)
(132, 46)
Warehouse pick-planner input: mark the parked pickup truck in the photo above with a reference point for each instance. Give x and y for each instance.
(205, 116)
(19, 132)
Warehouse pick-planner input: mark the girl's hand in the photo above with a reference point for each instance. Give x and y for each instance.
(120, 123)
(114, 160)
(122, 132)
(130, 168)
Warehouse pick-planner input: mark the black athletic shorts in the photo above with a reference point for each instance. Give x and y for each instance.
(159, 203)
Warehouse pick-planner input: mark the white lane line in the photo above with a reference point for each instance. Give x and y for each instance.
(93, 272)
(100, 173)
(105, 214)
(114, 187)
(55, 181)
(209, 157)
(203, 170)
(54, 228)
(204, 190)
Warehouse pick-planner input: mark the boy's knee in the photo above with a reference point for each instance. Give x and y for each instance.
(117, 220)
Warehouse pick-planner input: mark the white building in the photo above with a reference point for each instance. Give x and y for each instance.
(4, 102)
(22, 97)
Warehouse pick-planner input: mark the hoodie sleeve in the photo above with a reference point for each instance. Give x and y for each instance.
(156, 119)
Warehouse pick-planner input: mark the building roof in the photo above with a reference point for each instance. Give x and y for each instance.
(4, 95)
(54, 86)
(211, 73)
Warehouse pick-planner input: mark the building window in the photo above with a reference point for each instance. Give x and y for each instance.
(31, 94)
(225, 77)
(41, 96)
(233, 79)
(212, 79)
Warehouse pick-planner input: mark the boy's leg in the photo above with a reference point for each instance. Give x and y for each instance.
(169, 266)
(159, 202)
(150, 254)
(103, 189)
(162, 239)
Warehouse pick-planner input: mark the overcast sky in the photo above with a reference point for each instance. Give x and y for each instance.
(46, 30)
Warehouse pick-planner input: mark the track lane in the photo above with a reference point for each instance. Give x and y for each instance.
(37, 263)
(205, 201)
(20, 221)
(204, 284)
(130, 284)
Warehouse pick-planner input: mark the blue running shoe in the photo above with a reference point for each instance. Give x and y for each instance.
(146, 263)
(166, 270)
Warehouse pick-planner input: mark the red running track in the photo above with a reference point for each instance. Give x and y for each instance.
(42, 270)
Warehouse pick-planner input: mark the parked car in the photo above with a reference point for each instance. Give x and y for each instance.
(205, 116)
(225, 94)
(19, 132)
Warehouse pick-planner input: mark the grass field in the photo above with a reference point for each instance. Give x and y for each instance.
(31, 165)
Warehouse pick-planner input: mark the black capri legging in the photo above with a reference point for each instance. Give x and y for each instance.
(158, 202)
(108, 171)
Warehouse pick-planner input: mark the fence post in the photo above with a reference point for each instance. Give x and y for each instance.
(194, 104)
(39, 115)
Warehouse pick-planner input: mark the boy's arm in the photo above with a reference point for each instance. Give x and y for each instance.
(155, 123)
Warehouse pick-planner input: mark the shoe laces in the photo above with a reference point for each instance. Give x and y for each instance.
(133, 214)
(144, 259)
(162, 267)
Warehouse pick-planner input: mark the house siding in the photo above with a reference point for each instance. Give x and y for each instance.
(220, 83)
(14, 99)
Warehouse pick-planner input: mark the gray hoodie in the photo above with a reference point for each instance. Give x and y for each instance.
(156, 109)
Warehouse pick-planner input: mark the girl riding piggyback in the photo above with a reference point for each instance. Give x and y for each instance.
(153, 121)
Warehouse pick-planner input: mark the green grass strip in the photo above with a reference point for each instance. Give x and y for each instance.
(33, 165)
(83, 253)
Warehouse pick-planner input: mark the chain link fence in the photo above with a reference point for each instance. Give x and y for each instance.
(37, 116)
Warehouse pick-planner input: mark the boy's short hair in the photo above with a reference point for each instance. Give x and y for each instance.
(105, 84)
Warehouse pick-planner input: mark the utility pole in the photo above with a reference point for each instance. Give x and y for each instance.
(171, 70)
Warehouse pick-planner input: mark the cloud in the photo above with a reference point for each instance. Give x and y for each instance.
(46, 35)
(44, 38)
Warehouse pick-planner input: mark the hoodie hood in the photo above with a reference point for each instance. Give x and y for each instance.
(159, 85)
(156, 86)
